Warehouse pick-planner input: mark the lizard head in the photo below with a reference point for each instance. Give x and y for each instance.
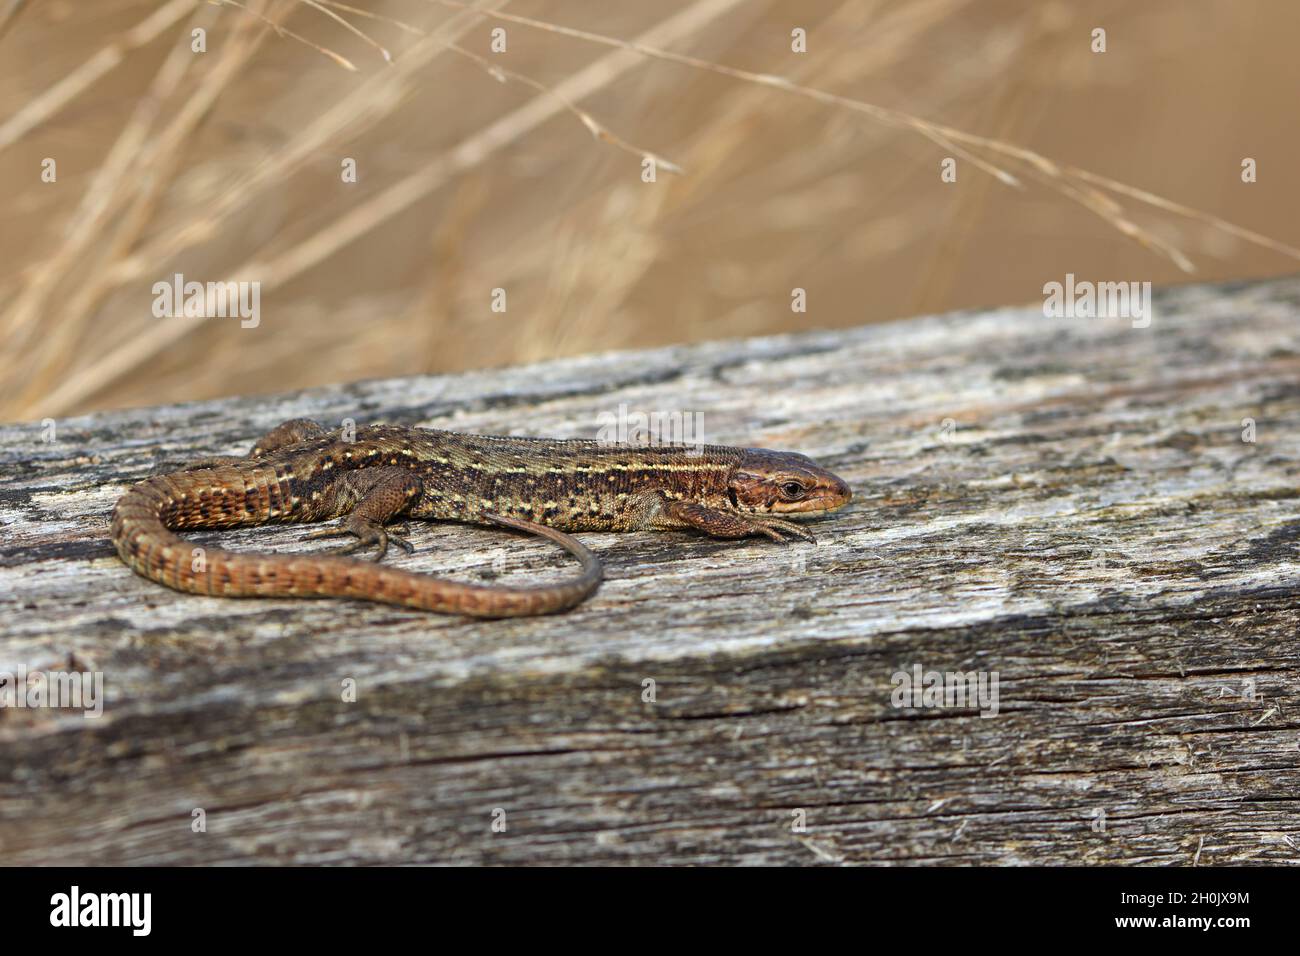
(782, 482)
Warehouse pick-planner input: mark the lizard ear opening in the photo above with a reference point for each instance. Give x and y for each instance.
(731, 494)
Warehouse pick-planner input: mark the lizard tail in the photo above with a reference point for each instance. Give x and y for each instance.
(144, 540)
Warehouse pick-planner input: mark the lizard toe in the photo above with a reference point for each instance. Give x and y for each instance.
(778, 529)
(364, 544)
(336, 532)
(401, 542)
(360, 544)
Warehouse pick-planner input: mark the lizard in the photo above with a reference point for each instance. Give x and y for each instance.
(375, 474)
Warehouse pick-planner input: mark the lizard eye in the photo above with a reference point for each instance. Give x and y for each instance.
(792, 489)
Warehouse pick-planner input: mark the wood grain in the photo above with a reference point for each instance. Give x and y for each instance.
(1089, 524)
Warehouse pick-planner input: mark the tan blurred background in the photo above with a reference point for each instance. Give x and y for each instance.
(226, 165)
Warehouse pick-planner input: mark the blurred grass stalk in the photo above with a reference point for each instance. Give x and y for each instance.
(167, 192)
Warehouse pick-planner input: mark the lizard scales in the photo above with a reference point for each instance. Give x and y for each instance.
(302, 473)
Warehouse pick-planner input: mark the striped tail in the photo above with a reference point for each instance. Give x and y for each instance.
(144, 540)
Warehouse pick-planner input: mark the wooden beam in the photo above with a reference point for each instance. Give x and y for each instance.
(1067, 504)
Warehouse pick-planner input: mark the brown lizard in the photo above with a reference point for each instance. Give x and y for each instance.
(300, 472)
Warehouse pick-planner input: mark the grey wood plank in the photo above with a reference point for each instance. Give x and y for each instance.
(1089, 524)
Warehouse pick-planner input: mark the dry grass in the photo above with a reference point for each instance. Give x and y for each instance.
(225, 165)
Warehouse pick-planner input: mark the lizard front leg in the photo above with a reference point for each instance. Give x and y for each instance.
(661, 513)
(368, 499)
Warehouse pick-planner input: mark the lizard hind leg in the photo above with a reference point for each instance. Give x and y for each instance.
(212, 461)
(380, 494)
(287, 433)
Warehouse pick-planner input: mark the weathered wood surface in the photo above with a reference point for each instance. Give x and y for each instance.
(1091, 526)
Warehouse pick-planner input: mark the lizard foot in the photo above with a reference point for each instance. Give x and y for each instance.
(720, 523)
(777, 529)
(368, 535)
